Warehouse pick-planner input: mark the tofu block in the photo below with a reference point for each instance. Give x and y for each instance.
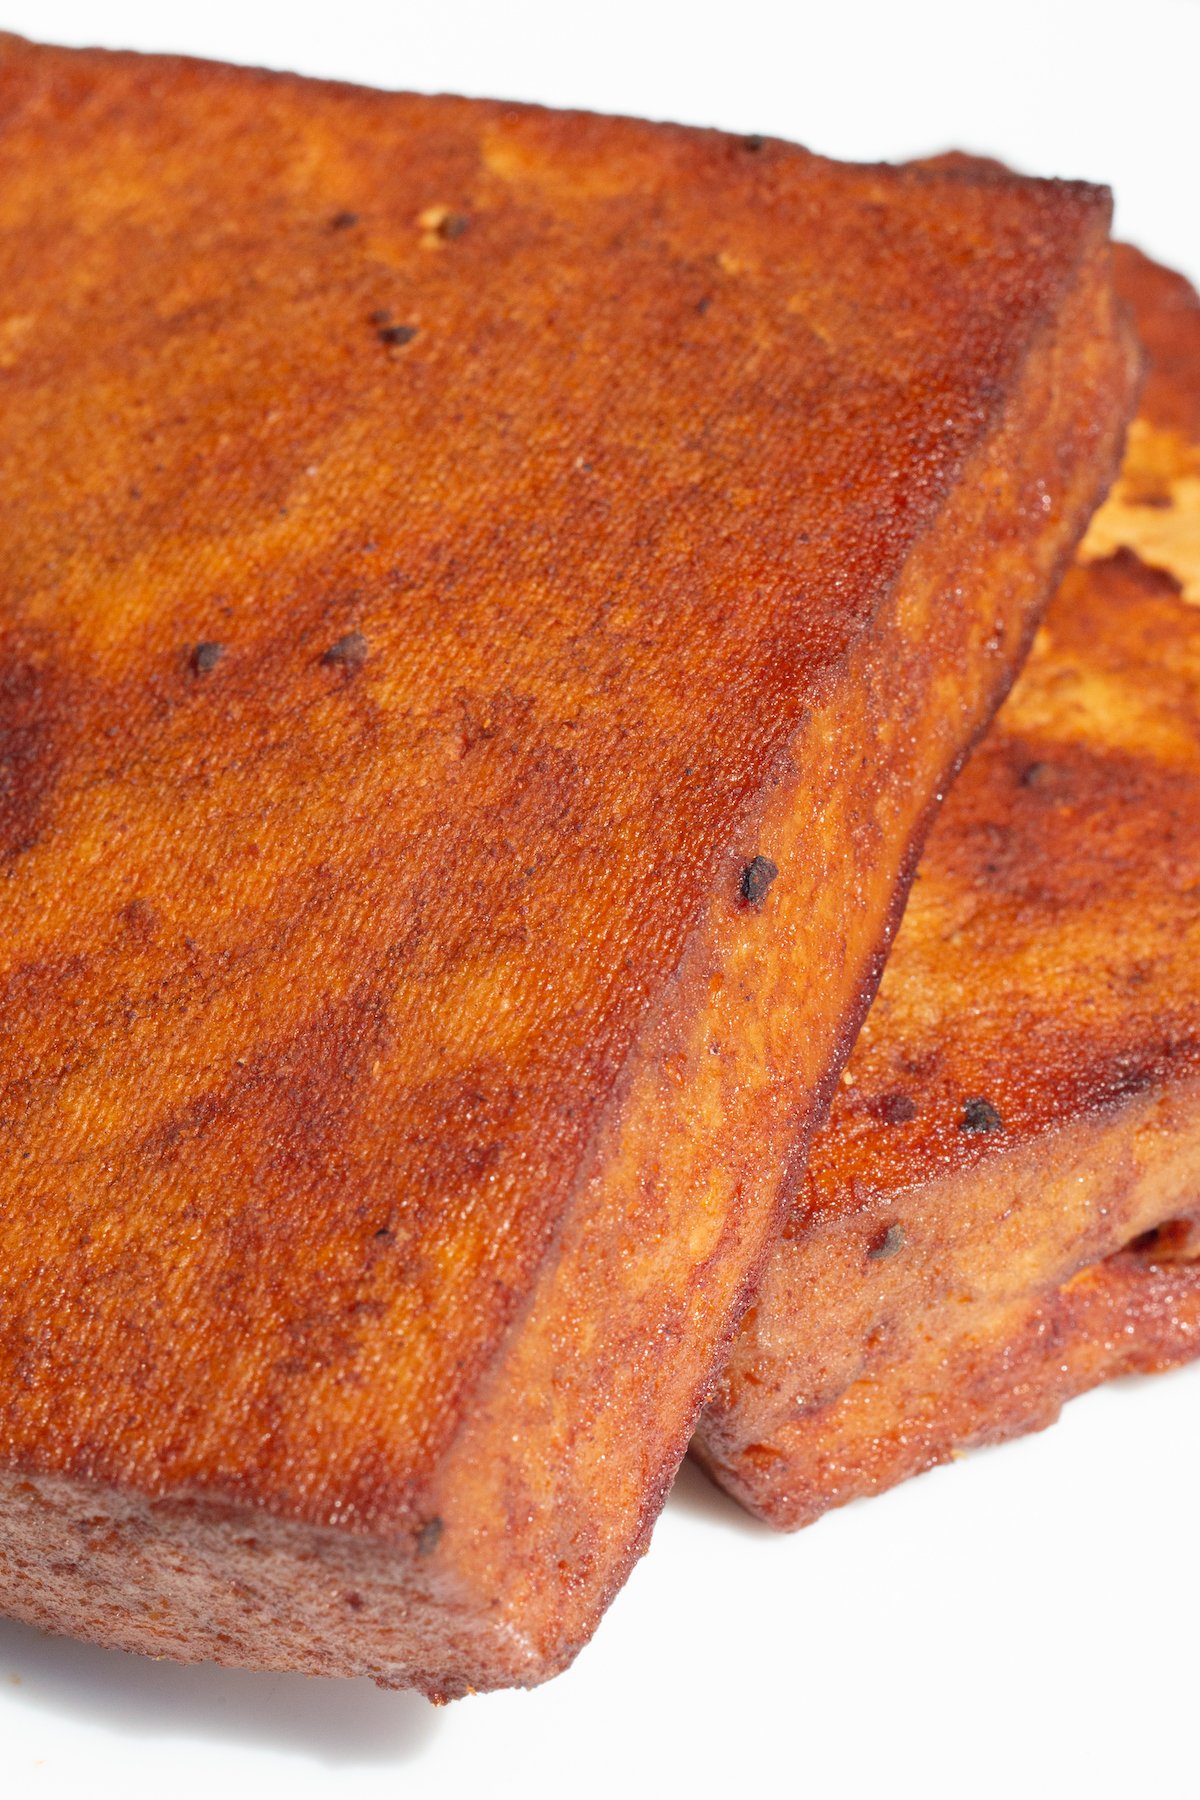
(488, 600)
(1002, 1210)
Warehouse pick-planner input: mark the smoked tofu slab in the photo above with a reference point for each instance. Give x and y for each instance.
(1002, 1210)
(489, 600)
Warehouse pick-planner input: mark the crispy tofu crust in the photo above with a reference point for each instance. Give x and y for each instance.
(1001, 1211)
(489, 599)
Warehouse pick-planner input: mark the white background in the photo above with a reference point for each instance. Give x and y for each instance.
(1022, 1623)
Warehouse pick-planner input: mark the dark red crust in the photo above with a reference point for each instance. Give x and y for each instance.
(1024, 1102)
(385, 1053)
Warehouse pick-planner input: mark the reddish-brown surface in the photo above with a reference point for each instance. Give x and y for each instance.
(443, 544)
(1024, 1100)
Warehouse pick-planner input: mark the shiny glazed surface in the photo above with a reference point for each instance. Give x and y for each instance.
(442, 545)
(1000, 1212)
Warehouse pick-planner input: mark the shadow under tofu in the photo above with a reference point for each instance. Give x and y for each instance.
(694, 1494)
(336, 1723)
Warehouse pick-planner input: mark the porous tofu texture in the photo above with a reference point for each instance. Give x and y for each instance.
(445, 546)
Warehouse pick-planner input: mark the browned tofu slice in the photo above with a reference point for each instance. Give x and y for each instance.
(1002, 1210)
(489, 598)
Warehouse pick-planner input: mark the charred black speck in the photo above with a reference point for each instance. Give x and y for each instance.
(385, 1231)
(453, 225)
(342, 221)
(896, 1109)
(428, 1537)
(206, 656)
(397, 334)
(757, 877)
(1036, 774)
(754, 142)
(980, 1115)
(349, 652)
(703, 304)
(886, 1243)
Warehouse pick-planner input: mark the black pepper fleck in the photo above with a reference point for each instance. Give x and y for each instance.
(349, 652)
(428, 1537)
(453, 225)
(397, 334)
(1035, 774)
(206, 656)
(753, 142)
(886, 1243)
(980, 1115)
(757, 877)
(342, 221)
